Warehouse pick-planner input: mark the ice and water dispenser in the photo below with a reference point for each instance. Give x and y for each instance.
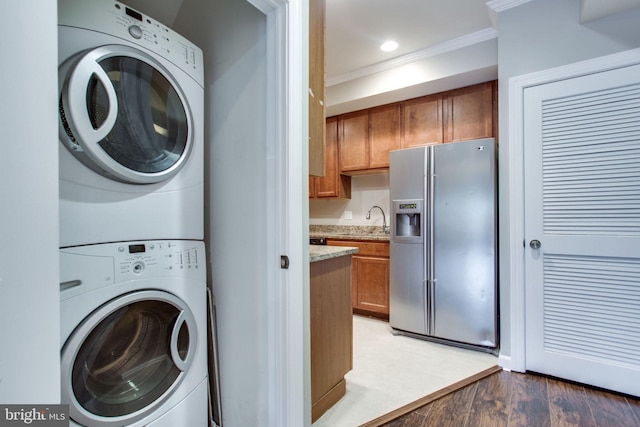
(408, 218)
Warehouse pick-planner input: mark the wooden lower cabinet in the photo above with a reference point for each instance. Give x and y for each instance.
(331, 322)
(371, 284)
(370, 277)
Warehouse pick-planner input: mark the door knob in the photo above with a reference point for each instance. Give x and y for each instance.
(535, 244)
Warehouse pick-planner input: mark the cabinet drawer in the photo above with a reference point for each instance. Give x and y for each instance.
(365, 248)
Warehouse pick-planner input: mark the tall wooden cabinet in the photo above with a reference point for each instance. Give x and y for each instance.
(316, 86)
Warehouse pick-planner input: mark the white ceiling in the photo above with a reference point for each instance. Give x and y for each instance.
(355, 29)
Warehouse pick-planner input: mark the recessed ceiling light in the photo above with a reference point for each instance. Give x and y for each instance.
(389, 46)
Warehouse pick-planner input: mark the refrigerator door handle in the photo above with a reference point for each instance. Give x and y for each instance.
(432, 306)
(430, 243)
(427, 309)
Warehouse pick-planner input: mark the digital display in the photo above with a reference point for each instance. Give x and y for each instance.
(136, 249)
(408, 206)
(133, 14)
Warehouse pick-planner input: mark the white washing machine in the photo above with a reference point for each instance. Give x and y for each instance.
(130, 129)
(134, 334)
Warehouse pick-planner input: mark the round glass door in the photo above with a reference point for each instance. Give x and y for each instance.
(127, 358)
(123, 115)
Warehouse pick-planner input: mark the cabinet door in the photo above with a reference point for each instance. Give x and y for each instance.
(312, 187)
(422, 121)
(316, 86)
(371, 284)
(332, 184)
(327, 186)
(384, 134)
(469, 113)
(353, 139)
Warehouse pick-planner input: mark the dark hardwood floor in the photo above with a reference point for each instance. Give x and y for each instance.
(509, 399)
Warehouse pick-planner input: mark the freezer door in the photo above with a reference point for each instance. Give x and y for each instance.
(407, 293)
(464, 257)
(407, 173)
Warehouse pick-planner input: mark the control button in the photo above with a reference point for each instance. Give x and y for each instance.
(120, 248)
(138, 267)
(135, 31)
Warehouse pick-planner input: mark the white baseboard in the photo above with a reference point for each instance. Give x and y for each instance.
(504, 362)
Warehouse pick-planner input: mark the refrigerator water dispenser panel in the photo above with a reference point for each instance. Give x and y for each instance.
(407, 218)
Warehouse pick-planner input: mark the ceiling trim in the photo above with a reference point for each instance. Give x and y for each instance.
(439, 49)
(502, 5)
(592, 9)
(266, 6)
(496, 6)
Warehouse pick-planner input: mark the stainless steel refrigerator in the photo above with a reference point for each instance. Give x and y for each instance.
(443, 268)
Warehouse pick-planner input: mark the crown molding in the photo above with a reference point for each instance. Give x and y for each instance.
(502, 5)
(439, 49)
(496, 6)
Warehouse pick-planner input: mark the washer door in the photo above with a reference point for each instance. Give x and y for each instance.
(127, 358)
(123, 115)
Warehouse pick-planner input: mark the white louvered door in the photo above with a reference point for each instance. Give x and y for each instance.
(582, 203)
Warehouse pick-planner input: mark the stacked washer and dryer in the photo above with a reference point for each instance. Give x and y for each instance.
(134, 315)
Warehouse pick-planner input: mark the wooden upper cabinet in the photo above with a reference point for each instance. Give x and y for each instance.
(353, 134)
(316, 87)
(366, 137)
(469, 112)
(422, 121)
(384, 134)
(312, 187)
(327, 185)
(332, 184)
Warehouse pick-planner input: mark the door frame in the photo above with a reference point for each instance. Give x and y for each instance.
(516, 360)
(288, 398)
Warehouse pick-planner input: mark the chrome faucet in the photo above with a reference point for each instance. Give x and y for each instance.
(385, 229)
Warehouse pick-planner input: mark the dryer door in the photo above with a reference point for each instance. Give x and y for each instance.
(127, 357)
(123, 115)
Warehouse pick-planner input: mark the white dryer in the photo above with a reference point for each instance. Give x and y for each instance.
(134, 334)
(130, 129)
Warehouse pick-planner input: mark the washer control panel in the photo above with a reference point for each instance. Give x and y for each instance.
(137, 259)
(117, 19)
(93, 266)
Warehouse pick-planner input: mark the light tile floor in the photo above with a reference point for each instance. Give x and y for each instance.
(390, 371)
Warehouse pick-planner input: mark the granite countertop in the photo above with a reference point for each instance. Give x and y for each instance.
(349, 232)
(320, 252)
